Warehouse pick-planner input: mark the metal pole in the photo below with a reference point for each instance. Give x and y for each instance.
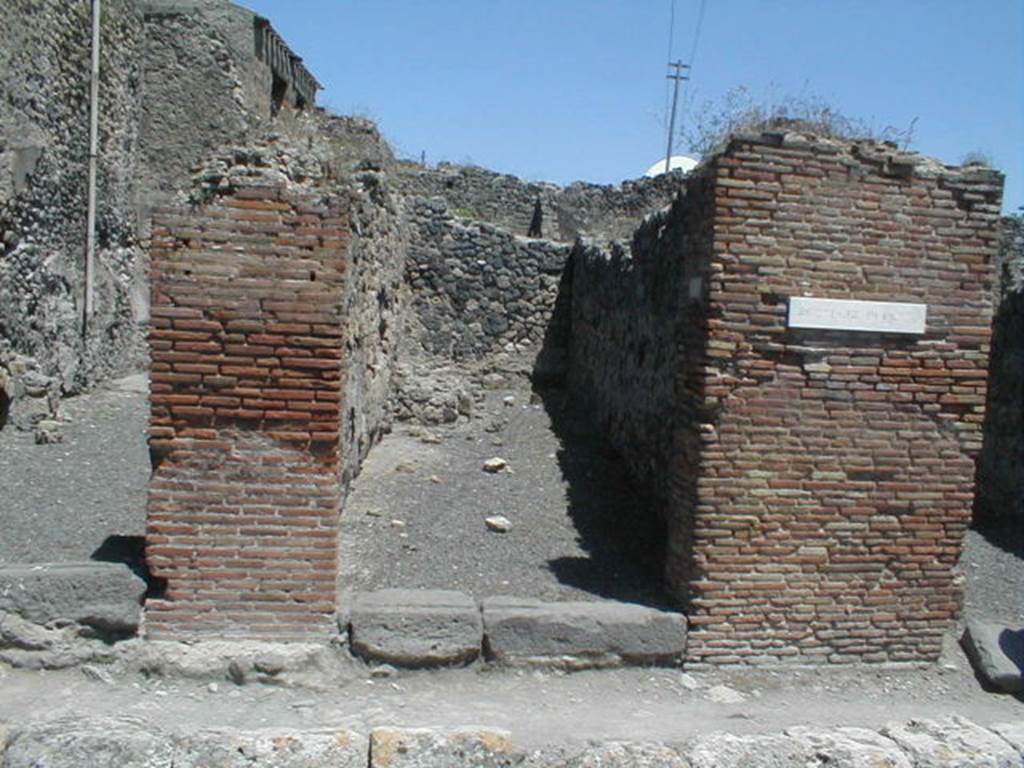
(94, 124)
(677, 76)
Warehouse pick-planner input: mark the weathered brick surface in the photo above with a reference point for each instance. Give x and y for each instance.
(247, 389)
(819, 482)
(836, 469)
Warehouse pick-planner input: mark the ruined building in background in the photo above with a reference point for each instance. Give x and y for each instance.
(812, 456)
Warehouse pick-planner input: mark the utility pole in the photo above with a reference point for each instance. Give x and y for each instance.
(678, 76)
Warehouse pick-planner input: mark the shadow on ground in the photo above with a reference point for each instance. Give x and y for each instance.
(1005, 533)
(617, 524)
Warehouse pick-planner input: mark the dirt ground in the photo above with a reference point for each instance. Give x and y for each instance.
(539, 707)
(416, 515)
(416, 518)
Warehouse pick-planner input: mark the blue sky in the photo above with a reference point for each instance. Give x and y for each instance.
(559, 90)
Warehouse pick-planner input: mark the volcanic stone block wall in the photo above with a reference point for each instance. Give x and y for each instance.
(45, 51)
(628, 313)
(1001, 465)
(610, 212)
(247, 391)
(479, 291)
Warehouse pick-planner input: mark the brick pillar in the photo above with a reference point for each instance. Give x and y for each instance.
(821, 502)
(247, 377)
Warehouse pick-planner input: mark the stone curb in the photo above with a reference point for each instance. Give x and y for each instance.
(423, 628)
(519, 630)
(415, 628)
(105, 596)
(951, 742)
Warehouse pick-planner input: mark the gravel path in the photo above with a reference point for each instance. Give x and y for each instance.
(60, 502)
(579, 530)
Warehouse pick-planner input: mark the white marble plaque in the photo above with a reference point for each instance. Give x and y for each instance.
(849, 315)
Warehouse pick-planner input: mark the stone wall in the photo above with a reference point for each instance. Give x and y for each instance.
(821, 481)
(206, 87)
(626, 310)
(480, 293)
(179, 79)
(1001, 465)
(45, 52)
(607, 212)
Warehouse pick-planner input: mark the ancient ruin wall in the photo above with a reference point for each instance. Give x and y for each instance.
(626, 310)
(820, 482)
(206, 87)
(837, 468)
(247, 400)
(1001, 465)
(608, 212)
(480, 293)
(45, 51)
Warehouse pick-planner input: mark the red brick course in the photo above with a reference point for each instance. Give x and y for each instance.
(247, 380)
(819, 503)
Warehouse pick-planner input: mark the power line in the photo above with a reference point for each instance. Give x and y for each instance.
(671, 40)
(693, 52)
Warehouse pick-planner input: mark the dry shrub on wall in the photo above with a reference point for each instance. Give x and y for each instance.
(707, 128)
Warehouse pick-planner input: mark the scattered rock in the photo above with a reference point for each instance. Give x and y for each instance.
(382, 671)
(430, 438)
(723, 694)
(495, 465)
(398, 523)
(48, 433)
(405, 468)
(498, 523)
(688, 681)
(509, 401)
(95, 673)
(435, 480)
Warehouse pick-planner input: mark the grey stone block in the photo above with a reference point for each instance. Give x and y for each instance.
(997, 653)
(951, 742)
(1014, 734)
(611, 755)
(416, 628)
(469, 747)
(797, 748)
(105, 596)
(131, 743)
(581, 634)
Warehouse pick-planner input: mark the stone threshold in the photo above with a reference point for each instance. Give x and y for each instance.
(417, 628)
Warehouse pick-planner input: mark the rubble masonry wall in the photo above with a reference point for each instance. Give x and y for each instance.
(1001, 464)
(45, 52)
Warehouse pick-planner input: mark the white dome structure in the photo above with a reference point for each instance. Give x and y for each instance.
(682, 162)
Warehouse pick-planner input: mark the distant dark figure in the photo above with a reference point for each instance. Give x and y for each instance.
(537, 221)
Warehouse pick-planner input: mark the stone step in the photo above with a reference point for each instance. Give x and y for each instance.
(419, 628)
